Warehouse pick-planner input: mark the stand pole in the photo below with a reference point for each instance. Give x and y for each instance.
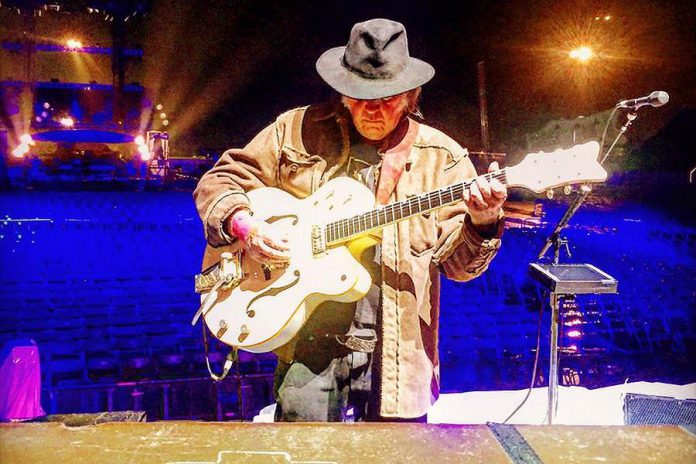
(553, 360)
(556, 241)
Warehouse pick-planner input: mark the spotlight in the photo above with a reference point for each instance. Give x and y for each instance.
(163, 115)
(159, 107)
(73, 44)
(139, 140)
(582, 54)
(46, 105)
(20, 150)
(67, 122)
(26, 140)
(165, 122)
(144, 153)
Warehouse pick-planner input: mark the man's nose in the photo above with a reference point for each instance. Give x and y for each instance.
(372, 105)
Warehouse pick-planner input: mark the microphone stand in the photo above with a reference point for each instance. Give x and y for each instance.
(555, 238)
(557, 242)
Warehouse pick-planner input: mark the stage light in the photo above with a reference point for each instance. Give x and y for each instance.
(607, 17)
(67, 122)
(73, 44)
(582, 54)
(574, 334)
(38, 119)
(27, 140)
(163, 115)
(20, 150)
(44, 114)
(139, 140)
(159, 107)
(46, 105)
(144, 153)
(165, 122)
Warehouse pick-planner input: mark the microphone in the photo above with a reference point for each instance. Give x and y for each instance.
(657, 98)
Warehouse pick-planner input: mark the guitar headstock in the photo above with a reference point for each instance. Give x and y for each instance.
(541, 171)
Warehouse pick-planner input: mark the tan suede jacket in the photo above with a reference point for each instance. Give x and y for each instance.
(299, 152)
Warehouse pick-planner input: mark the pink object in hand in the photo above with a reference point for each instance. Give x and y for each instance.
(243, 224)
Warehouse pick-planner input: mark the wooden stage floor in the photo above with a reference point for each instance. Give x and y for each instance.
(246, 443)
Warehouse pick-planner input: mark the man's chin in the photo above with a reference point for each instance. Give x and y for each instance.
(373, 135)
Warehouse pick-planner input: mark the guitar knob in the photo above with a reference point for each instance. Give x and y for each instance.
(243, 333)
(549, 194)
(567, 189)
(223, 328)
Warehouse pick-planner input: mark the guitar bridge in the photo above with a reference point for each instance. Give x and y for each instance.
(318, 240)
(228, 270)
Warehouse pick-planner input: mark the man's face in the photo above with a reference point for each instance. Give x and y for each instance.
(376, 119)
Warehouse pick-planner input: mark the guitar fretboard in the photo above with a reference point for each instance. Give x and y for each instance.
(343, 229)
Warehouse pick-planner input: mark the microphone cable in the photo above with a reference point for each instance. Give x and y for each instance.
(534, 369)
(604, 135)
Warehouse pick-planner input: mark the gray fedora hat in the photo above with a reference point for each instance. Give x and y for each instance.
(375, 63)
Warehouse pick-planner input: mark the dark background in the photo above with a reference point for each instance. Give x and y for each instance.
(258, 58)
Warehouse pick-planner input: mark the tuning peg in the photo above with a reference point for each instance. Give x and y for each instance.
(549, 194)
(586, 188)
(568, 189)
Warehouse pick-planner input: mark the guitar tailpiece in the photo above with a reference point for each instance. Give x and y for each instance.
(228, 270)
(210, 297)
(227, 273)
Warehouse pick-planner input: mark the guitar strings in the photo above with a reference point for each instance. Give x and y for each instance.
(343, 228)
(351, 226)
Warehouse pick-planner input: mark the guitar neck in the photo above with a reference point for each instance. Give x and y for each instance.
(537, 172)
(351, 227)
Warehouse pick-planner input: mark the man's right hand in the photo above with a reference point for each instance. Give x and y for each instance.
(264, 242)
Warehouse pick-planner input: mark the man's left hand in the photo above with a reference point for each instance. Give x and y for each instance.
(485, 199)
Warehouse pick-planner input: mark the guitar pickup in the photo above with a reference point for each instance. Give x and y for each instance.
(318, 239)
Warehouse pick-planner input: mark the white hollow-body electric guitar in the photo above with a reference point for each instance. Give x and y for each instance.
(255, 308)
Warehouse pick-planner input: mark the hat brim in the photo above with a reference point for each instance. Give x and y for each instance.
(345, 82)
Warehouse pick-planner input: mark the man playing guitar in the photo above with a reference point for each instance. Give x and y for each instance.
(376, 359)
